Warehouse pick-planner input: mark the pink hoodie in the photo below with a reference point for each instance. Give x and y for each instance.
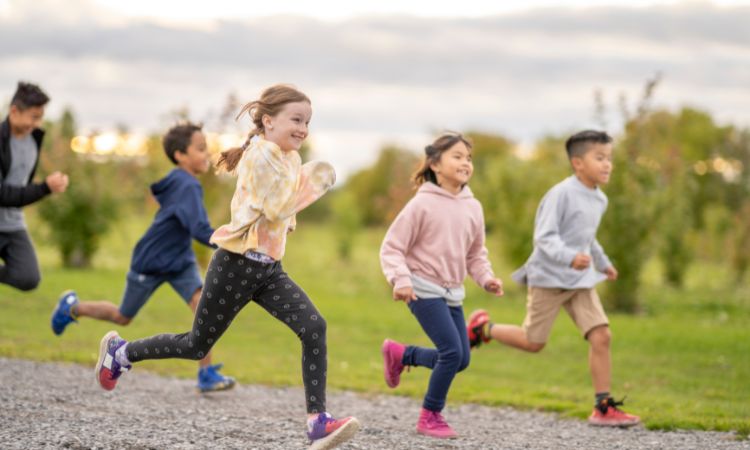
(438, 236)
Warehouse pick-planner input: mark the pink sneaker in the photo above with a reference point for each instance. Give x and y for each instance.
(612, 416)
(392, 366)
(433, 424)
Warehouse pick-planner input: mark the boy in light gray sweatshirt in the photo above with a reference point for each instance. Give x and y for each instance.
(563, 269)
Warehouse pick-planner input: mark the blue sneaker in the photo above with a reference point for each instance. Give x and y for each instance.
(108, 370)
(63, 313)
(326, 432)
(209, 379)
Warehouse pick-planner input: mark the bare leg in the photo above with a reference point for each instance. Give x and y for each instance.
(599, 358)
(514, 336)
(101, 310)
(205, 362)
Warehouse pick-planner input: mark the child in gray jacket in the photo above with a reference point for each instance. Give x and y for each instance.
(565, 265)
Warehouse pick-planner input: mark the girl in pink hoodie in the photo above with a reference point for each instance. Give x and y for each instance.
(434, 242)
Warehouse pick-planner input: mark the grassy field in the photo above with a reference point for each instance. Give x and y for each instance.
(683, 363)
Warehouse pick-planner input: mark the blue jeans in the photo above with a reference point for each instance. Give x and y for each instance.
(446, 327)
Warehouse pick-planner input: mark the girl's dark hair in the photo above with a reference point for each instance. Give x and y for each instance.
(27, 96)
(432, 156)
(178, 139)
(270, 103)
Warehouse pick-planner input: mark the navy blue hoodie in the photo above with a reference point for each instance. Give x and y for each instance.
(167, 245)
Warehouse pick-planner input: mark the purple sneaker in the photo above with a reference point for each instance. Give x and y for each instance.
(326, 432)
(392, 352)
(108, 370)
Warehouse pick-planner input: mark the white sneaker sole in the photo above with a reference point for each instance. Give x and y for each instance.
(338, 437)
(102, 355)
(614, 424)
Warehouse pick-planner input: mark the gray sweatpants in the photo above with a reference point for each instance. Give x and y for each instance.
(21, 269)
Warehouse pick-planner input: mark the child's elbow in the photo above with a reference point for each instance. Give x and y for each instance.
(275, 216)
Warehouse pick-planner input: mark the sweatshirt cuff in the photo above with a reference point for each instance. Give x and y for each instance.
(567, 255)
(401, 282)
(602, 263)
(482, 280)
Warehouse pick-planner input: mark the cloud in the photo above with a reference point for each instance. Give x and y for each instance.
(541, 44)
(522, 74)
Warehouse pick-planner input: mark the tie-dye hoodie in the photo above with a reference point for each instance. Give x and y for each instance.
(272, 187)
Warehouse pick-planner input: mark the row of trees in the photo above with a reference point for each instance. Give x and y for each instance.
(680, 191)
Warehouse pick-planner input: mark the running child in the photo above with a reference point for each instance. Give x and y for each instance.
(434, 241)
(20, 146)
(165, 253)
(565, 265)
(272, 187)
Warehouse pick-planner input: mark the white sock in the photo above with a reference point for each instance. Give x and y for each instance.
(121, 356)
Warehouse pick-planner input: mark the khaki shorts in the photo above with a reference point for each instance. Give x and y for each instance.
(583, 306)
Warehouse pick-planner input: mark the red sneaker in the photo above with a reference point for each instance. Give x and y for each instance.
(325, 432)
(477, 321)
(611, 415)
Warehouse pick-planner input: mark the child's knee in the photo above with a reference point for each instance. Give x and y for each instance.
(27, 282)
(316, 327)
(600, 337)
(199, 347)
(451, 357)
(464, 362)
(119, 319)
(535, 347)
(198, 354)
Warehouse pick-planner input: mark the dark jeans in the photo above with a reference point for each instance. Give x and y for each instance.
(232, 281)
(21, 269)
(446, 327)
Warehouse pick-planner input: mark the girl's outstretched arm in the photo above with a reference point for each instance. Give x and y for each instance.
(398, 240)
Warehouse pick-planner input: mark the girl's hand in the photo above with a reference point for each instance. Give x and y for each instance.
(611, 273)
(405, 294)
(494, 286)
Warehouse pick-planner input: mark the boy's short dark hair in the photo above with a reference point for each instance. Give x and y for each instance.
(178, 138)
(578, 144)
(28, 95)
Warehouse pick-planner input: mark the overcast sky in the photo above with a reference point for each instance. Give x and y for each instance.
(386, 71)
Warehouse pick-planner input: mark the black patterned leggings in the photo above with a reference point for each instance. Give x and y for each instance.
(231, 282)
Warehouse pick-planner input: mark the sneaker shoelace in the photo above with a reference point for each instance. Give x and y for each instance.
(612, 403)
(324, 419)
(119, 371)
(477, 335)
(439, 420)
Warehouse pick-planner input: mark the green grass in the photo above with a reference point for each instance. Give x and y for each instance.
(683, 363)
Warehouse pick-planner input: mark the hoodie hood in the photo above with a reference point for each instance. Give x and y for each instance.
(168, 186)
(433, 189)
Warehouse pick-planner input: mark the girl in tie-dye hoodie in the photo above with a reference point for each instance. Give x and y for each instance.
(272, 186)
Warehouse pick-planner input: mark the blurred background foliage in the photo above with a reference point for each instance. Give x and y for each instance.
(679, 192)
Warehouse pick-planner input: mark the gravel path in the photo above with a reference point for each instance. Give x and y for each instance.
(44, 405)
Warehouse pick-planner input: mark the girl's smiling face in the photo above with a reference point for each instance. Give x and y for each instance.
(454, 168)
(288, 129)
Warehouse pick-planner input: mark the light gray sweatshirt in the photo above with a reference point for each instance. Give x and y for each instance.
(566, 223)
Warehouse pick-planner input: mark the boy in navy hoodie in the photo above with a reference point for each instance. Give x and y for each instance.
(164, 253)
